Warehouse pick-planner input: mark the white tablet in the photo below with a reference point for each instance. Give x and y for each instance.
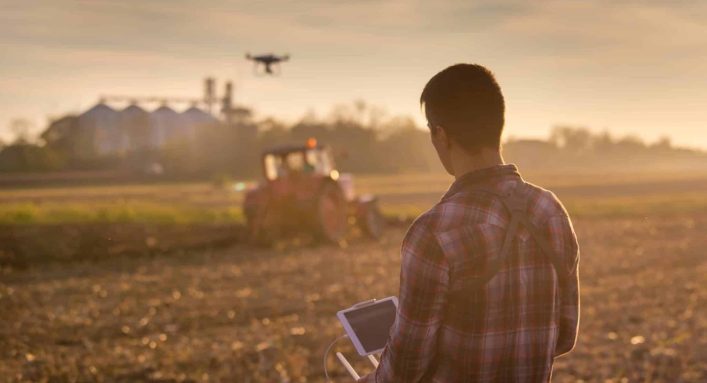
(368, 323)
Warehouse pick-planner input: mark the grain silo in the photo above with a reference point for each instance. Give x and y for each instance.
(193, 119)
(135, 127)
(102, 124)
(164, 127)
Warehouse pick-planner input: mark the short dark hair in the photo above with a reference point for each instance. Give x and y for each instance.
(466, 101)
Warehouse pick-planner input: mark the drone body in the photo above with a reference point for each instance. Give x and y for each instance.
(268, 62)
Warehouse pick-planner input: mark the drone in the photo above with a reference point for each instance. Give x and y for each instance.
(268, 61)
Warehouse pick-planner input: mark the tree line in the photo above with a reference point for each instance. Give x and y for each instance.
(363, 138)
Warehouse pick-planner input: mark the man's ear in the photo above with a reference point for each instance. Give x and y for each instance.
(444, 137)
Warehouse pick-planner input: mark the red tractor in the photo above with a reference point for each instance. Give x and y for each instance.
(303, 192)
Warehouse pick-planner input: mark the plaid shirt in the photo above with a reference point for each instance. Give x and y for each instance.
(507, 331)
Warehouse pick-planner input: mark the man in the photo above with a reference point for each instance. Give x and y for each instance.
(473, 308)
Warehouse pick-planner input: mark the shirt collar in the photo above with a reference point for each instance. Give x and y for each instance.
(477, 176)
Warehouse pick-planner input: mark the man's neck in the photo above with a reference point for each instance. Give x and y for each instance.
(463, 162)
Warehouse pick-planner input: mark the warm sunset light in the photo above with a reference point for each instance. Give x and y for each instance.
(629, 67)
(327, 191)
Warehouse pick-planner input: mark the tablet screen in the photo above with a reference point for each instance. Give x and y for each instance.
(372, 324)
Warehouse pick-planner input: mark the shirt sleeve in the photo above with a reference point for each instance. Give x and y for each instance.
(564, 242)
(424, 279)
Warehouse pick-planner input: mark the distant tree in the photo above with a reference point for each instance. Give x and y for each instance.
(531, 153)
(396, 124)
(603, 143)
(21, 128)
(359, 112)
(663, 144)
(178, 157)
(305, 129)
(27, 157)
(405, 147)
(630, 144)
(573, 139)
(65, 136)
(272, 132)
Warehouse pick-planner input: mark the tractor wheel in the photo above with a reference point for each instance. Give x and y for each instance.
(261, 226)
(371, 219)
(260, 236)
(331, 216)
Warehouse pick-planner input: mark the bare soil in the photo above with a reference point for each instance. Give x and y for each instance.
(244, 314)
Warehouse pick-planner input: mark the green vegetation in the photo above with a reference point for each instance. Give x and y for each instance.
(28, 213)
(403, 196)
(117, 212)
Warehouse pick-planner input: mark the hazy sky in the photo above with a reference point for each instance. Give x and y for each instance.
(631, 67)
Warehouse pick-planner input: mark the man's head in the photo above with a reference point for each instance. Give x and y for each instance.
(464, 109)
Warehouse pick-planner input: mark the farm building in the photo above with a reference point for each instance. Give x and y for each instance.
(192, 119)
(134, 128)
(164, 122)
(101, 124)
(105, 131)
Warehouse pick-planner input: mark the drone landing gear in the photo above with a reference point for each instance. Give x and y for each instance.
(268, 70)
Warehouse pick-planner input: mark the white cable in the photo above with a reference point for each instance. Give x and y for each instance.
(348, 366)
(373, 360)
(326, 354)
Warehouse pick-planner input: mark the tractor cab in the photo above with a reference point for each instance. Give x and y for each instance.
(310, 159)
(300, 171)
